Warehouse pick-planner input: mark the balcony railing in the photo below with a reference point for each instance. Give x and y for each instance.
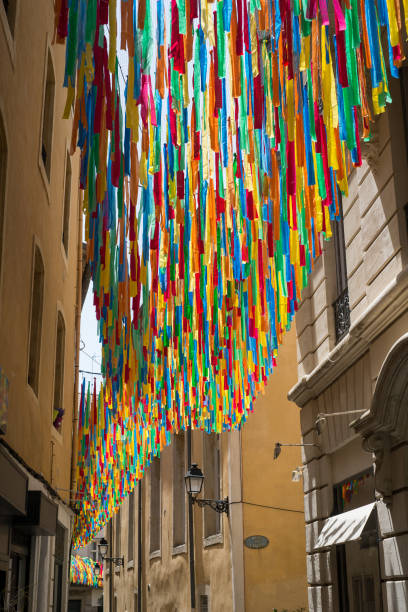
(342, 315)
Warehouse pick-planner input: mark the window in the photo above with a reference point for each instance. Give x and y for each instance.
(67, 203)
(58, 411)
(10, 7)
(59, 555)
(341, 304)
(135, 606)
(36, 321)
(204, 603)
(48, 117)
(3, 169)
(131, 527)
(179, 494)
(117, 534)
(212, 520)
(155, 503)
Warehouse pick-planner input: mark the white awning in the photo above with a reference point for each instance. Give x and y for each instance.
(345, 527)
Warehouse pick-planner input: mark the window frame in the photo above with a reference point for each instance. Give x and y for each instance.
(155, 552)
(179, 548)
(66, 209)
(36, 391)
(211, 539)
(59, 316)
(46, 176)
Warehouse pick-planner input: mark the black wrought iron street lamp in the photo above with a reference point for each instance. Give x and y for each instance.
(103, 549)
(194, 482)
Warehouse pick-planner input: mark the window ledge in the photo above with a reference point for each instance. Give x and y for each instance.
(117, 570)
(212, 540)
(57, 435)
(179, 550)
(156, 554)
(130, 565)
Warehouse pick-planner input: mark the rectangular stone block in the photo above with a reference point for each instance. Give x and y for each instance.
(319, 568)
(354, 254)
(381, 211)
(312, 534)
(351, 223)
(382, 250)
(321, 327)
(374, 181)
(311, 451)
(393, 519)
(357, 286)
(395, 596)
(318, 504)
(303, 316)
(320, 599)
(305, 342)
(394, 557)
(308, 416)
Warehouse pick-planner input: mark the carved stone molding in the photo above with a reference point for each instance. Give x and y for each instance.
(379, 444)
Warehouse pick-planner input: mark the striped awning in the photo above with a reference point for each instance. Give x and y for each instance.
(345, 527)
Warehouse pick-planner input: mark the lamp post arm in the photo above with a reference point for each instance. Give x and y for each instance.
(118, 561)
(219, 505)
(330, 414)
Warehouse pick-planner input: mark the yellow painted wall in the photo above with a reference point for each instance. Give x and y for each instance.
(275, 576)
(34, 212)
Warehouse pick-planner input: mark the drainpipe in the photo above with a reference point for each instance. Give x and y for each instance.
(77, 343)
(139, 547)
(191, 528)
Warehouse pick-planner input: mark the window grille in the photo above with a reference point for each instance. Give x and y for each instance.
(204, 603)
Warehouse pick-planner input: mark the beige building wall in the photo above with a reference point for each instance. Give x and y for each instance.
(347, 376)
(32, 198)
(33, 216)
(229, 577)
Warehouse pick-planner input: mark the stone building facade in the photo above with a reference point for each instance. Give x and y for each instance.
(40, 224)
(353, 358)
(230, 572)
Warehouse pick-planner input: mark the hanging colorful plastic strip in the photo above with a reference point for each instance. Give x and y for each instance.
(209, 182)
(85, 572)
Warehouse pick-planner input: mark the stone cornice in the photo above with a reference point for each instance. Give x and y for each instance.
(389, 305)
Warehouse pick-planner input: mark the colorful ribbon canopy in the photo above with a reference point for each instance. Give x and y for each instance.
(209, 182)
(85, 572)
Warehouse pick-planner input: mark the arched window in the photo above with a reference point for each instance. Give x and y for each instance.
(48, 117)
(58, 411)
(67, 202)
(3, 171)
(36, 321)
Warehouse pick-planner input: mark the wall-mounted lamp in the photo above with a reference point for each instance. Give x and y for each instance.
(297, 473)
(194, 482)
(321, 419)
(103, 549)
(278, 447)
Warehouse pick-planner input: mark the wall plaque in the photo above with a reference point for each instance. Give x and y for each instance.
(256, 541)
